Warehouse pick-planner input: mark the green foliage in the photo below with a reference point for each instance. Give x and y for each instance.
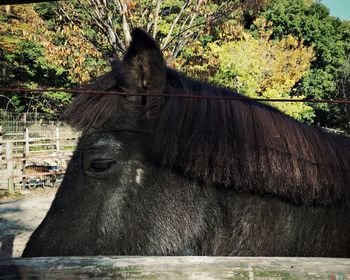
(265, 69)
(26, 66)
(254, 65)
(37, 52)
(241, 64)
(330, 38)
(342, 113)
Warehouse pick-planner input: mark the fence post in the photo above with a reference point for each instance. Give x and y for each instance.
(25, 149)
(57, 138)
(10, 182)
(26, 141)
(1, 144)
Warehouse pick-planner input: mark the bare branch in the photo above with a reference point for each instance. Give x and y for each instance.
(174, 23)
(114, 18)
(221, 13)
(156, 15)
(102, 15)
(185, 41)
(123, 8)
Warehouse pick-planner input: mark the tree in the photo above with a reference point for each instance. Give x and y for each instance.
(34, 56)
(259, 67)
(342, 113)
(174, 23)
(330, 37)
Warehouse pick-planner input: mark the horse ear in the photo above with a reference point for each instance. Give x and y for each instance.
(144, 65)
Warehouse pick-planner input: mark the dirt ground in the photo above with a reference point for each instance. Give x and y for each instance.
(19, 217)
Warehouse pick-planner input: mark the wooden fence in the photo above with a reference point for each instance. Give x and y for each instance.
(175, 268)
(33, 143)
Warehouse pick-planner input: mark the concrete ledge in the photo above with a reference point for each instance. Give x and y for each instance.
(175, 268)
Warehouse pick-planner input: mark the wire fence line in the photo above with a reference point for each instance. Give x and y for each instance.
(29, 140)
(156, 94)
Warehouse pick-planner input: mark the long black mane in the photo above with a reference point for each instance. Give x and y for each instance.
(242, 145)
(249, 146)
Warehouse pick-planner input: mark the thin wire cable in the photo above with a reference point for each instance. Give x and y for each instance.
(238, 98)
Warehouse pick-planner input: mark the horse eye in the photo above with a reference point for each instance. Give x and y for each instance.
(101, 165)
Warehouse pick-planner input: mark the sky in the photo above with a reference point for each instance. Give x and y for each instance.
(338, 8)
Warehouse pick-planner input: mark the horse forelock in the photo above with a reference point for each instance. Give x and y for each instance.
(89, 111)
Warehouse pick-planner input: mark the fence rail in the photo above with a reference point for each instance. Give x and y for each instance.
(175, 268)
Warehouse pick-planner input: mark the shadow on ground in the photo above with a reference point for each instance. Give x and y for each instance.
(18, 219)
(10, 227)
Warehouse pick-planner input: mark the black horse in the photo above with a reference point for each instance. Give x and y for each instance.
(185, 176)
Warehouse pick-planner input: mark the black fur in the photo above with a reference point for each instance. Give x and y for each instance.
(173, 176)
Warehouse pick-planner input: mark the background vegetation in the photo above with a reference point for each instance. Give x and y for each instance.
(262, 48)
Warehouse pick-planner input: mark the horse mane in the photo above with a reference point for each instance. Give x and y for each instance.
(249, 146)
(241, 145)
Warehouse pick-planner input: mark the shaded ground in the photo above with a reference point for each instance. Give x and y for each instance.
(19, 218)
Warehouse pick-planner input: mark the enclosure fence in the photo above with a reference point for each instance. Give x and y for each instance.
(33, 150)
